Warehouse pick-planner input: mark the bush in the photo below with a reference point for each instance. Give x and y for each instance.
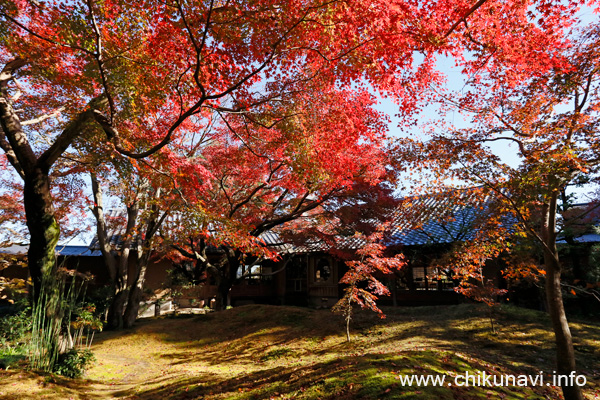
(10, 357)
(14, 329)
(74, 363)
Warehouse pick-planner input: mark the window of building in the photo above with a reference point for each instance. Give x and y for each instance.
(255, 273)
(431, 279)
(296, 275)
(322, 270)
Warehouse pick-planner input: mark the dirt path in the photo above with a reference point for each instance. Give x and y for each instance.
(115, 376)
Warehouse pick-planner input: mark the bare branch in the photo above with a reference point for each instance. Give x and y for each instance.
(43, 117)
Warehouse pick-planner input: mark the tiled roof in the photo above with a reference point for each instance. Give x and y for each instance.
(274, 241)
(439, 218)
(82, 251)
(61, 250)
(585, 238)
(581, 222)
(419, 220)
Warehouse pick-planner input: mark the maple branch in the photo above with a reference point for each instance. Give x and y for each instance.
(18, 92)
(519, 142)
(266, 62)
(273, 124)
(247, 199)
(197, 47)
(155, 225)
(232, 130)
(44, 117)
(204, 139)
(169, 177)
(222, 185)
(586, 91)
(112, 133)
(6, 75)
(470, 37)
(493, 112)
(177, 88)
(10, 155)
(73, 129)
(16, 145)
(183, 251)
(100, 60)
(592, 293)
(516, 209)
(37, 35)
(465, 16)
(298, 211)
(255, 190)
(277, 202)
(339, 56)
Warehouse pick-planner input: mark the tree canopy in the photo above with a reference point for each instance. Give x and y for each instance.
(192, 90)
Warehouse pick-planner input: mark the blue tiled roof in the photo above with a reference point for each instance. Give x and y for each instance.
(61, 250)
(419, 220)
(439, 218)
(82, 251)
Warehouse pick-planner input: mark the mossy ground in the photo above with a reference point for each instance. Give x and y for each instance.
(269, 352)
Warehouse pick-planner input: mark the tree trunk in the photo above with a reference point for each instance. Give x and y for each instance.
(117, 268)
(122, 290)
(228, 270)
(114, 319)
(133, 305)
(136, 291)
(223, 289)
(394, 291)
(43, 228)
(565, 354)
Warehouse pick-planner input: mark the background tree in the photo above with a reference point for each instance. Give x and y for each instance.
(362, 277)
(326, 151)
(552, 118)
(143, 217)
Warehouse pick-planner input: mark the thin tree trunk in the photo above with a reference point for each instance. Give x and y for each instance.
(122, 290)
(348, 318)
(394, 291)
(565, 354)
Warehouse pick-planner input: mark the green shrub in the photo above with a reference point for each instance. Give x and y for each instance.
(11, 356)
(15, 328)
(74, 363)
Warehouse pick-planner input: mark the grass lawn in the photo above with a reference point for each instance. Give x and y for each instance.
(270, 352)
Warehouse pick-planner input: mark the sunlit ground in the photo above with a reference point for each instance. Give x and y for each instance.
(265, 352)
